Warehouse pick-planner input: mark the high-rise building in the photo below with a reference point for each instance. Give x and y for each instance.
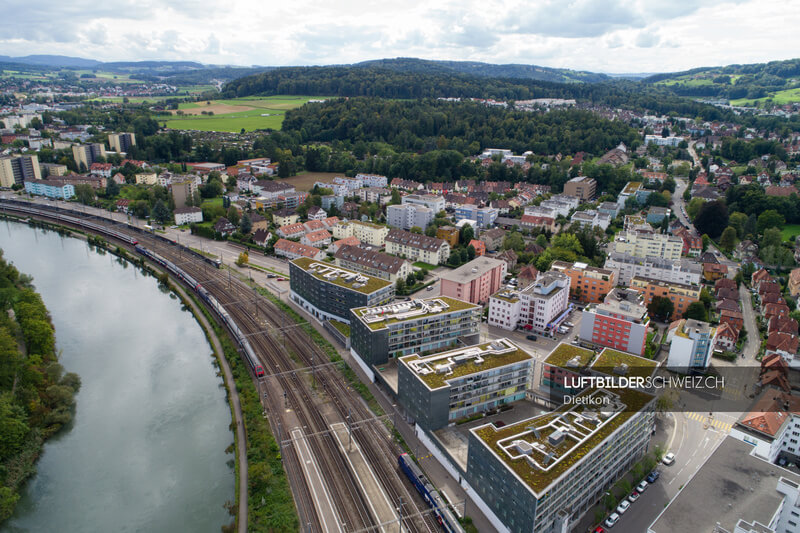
(121, 142)
(416, 326)
(475, 281)
(183, 189)
(692, 343)
(619, 322)
(19, 169)
(581, 186)
(407, 216)
(646, 244)
(86, 154)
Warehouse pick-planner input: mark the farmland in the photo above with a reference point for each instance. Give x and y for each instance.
(786, 96)
(249, 113)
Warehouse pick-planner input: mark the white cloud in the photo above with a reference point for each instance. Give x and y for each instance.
(597, 35)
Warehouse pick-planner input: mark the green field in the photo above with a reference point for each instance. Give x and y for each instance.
(790, 231)
(256, 113)
(786, 96)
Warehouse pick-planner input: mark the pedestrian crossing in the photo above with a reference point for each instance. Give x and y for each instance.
(716, 424)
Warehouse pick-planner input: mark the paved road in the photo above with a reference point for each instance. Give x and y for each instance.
(750, 325)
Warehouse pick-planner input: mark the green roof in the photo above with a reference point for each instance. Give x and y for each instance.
(507, 295)
(565, 352)
(454, 305)
(372, 284)
(632, 187)
(570, 452)
(490, 361)
(610, 359)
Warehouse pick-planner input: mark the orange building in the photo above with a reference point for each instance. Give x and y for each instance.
(587, 284)
(679, 294)
(449, 234)
(480, 247)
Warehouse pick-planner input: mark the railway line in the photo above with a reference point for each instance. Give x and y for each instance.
(291, 401)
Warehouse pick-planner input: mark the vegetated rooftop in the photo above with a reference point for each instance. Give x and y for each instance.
(435, 380)
(610, 359)
(566, 454)
(371, 284)
(632, 187)
(565, 352)
(452, 306)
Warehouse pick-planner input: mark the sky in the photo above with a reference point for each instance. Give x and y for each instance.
(612, 36)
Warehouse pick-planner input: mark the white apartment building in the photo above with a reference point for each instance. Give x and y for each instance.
(417, 247)
(188, 215)
(670, 270)
(641, 244)
(375, 195)
(504, 309)
(431, 201)
(591, 218)
(544, 300)
(691, 345)
(372, 180)
(409, 215)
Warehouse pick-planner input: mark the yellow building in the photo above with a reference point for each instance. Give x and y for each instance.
(644, 244)
(680, 295)
(121, 142)
(86, 154)
(370, 233)
(147, 178)
(16, 170)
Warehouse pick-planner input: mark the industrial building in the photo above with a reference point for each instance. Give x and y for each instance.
(329, 292)
(415, 326)
(437, 390)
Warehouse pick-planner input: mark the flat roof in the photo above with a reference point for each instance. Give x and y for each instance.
(342, 277)
(437, 370)
(382, 316)
(541, 449)
(631, 187)
(731, 485)
(508, 295)
(564, 354)
(610, 362)
(474, 269)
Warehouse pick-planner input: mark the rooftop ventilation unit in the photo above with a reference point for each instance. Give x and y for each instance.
(556, 438)
(621, 369)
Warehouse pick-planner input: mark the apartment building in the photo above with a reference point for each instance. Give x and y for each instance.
(483, 216)
(372, 234)
(86, 154)
(432, 201)
(670, 270)
(620, 322)
(416, 247)
(50, 188)
(692, 343)
(329, 292)
(53, 169)
(18, 169)
(377, 264)
(294, 250)
(450, 234)
(582, 187)
(680, 294)
(375, 195)
(183, 189)
(543, 473)
(643, 244)
(416, 326)
(505, 307)
(591, 219)
(587, 283)
(544, 301)
(407, 216)
(121, 142)
(437, 390)
(188, 215)
(372, 180)
(474, 281)
(631, 189)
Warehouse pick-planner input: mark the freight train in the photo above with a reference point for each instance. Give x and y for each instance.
(429, 493)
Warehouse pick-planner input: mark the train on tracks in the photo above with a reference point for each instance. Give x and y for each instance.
(213, 303)
(445, 517)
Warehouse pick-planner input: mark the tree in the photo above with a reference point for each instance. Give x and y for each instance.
(737, 220)
(243, 259)
(728, 239)
(245, 224)
(467, 234)
(85, 194)
(471, 252)
(416, 229)
(541, 240)
(233, 215)
(661, 308)
(706, 241)
(160, 212)
(712, 218)
(513, 241)
(770, 219)
(772, 237)
(401, 285)
(697, 311)
(694, 207)
(112, 189)
(396, 200)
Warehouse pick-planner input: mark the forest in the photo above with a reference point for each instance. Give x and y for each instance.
(36, 397)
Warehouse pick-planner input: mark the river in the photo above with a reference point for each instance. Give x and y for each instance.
(146, 449)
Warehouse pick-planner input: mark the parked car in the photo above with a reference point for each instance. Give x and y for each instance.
(611, 521)
(633, 496)
(531, 337)
(281, 279)
(653, 476)
(430, 288)
(598, 529)
(668, 459)
(623, 506)
(641, 487)
(569, 324)
(271, 276)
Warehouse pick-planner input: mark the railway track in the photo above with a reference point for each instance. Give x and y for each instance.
(256, 315)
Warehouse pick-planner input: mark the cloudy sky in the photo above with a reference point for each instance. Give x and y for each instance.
(623, 36)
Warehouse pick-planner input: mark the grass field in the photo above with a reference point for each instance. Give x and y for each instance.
(786, 96)
(790, 231)
(250, 113)
(305, 180)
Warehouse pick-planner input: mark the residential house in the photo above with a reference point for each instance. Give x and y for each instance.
(510, 257)
(492, 238)
(480, 248)
(224, 227)
(417, 247)
(295, 250)
(347, 241)
(261, 237)
(726, 339)
(188, 215)
(372, 263)
(292, 231)
(316, 213)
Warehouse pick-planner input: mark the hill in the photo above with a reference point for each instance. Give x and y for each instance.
(52, 61)
(488, 70)
(778, 80)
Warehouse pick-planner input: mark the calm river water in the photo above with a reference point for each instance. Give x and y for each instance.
(146, 450)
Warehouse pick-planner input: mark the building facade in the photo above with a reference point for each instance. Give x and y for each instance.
(188, 215)
(408, 216)
(19, 169)
(474, 282)
(692, 343)
(437, 390)
(544, 301)
(329, 292)
(121, 142)
(50, 188)
(583, 187)
(587, 283)
(416, 247)
(620, 322)
(679, 294)
(86, 154)
(372, 263)
(415, 326)
(670, 270)
(645, 244)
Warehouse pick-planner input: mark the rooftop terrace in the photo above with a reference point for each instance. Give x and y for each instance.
(438, 370)
(540, 449)
(382, 316)
(341, 276)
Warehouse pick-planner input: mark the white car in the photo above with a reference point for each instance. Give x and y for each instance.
(633, 496)
(668, 459)
(641, 487)
(623, 506)
(611, 520)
